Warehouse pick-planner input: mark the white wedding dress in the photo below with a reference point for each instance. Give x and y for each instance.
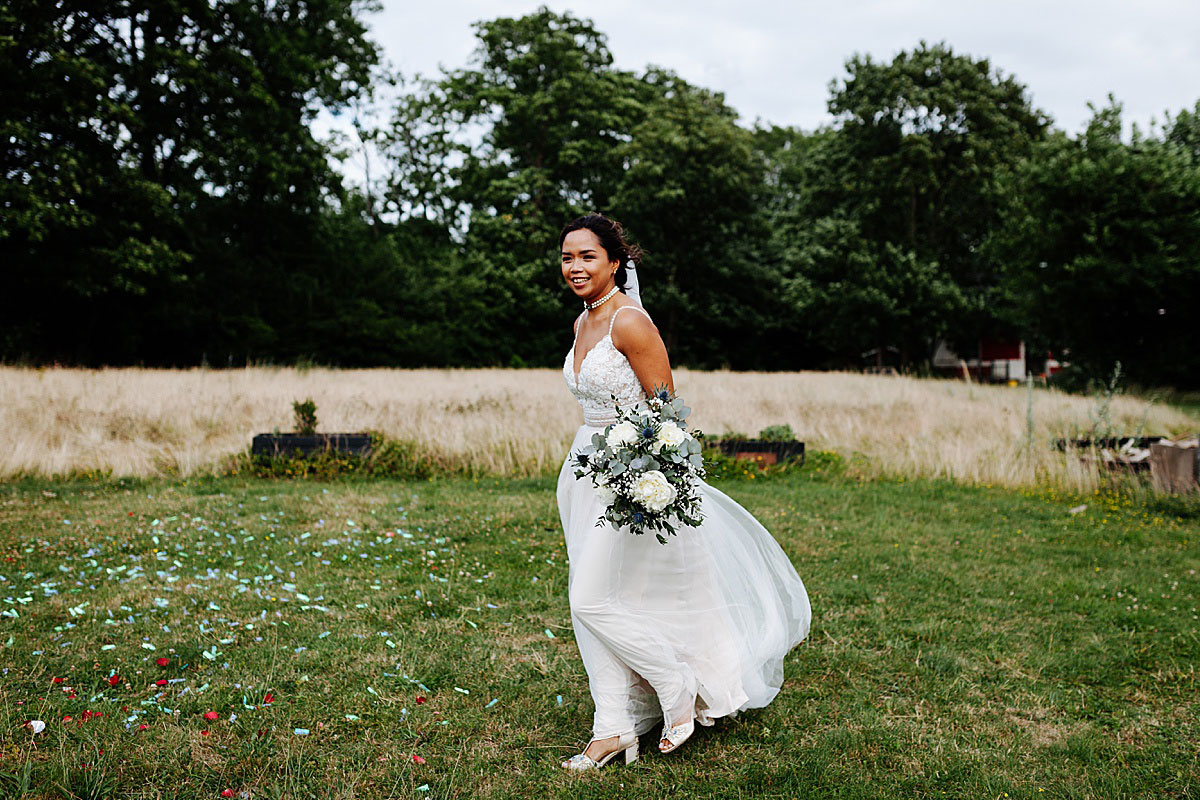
(696, 627)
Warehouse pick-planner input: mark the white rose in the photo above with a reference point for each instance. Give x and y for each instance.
(605, 493)
(652, 490)
(669, 435)
(622, 434)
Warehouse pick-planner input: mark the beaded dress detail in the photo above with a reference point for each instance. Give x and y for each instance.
(604, 370)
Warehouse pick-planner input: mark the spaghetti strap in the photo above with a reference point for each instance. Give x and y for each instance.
(619, 310)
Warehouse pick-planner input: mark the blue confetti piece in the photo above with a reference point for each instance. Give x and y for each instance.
(301, 731)
(494, 701)
(558, 699)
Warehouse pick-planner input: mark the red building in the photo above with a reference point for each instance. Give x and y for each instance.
(994, 360)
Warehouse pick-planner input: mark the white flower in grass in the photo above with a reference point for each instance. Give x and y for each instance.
(652, 490)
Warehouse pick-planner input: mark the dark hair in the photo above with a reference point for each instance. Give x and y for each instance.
(612, 239)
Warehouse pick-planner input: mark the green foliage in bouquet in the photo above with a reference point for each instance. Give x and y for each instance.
(647, 466)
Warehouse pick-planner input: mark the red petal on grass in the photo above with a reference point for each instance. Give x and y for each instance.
(204, 733)
(269, 698)
(161, 682)
(420, 700)
(210, 715)
(113, 680)
(417, 759)
(143, 726)
(227, 793)
(58, 680)
(162, 661)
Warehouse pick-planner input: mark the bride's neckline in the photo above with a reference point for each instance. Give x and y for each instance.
(585, 355)
(592, 349)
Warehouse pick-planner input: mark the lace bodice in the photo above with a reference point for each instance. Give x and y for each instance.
(605, 370)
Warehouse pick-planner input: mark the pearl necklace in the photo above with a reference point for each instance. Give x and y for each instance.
(601, 301)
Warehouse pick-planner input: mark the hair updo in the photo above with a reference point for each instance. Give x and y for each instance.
(612, 239)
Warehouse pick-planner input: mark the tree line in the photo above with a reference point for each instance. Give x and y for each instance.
(166, 202)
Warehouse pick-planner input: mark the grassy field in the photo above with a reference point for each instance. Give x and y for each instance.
(519, 422)
(412, 640)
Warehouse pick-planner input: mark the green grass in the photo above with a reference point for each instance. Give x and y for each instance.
(966, 642)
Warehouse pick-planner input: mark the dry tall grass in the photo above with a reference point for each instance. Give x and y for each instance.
(520, 422)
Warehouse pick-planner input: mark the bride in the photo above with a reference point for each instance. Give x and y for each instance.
(680, 633)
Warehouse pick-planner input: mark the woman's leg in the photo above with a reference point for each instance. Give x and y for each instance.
(621, 641)
(609, 682)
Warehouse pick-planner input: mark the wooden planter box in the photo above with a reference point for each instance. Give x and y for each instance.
(1174, 469)
(1112, 443)
(763, 452)
(304, 445)
(1107, 453)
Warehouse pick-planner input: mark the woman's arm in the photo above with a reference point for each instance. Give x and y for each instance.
(637, 337)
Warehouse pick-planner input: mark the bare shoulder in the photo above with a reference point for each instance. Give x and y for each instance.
(635, 330)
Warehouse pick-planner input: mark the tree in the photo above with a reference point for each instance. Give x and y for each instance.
(1104, 242)
(909, 167)
(547, 112)
(161, 176)
(690, 194)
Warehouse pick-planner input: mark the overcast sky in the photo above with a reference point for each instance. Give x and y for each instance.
(774, 60)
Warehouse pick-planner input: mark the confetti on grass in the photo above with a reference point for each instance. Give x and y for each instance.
(222, 557)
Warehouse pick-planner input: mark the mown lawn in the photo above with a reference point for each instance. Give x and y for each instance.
(415, 642)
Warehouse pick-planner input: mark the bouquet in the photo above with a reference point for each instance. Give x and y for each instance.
(646, 466)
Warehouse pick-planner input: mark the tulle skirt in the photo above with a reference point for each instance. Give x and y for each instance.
(697, 627)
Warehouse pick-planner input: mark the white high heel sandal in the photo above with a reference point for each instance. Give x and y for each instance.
(627, 744)
(676, 735)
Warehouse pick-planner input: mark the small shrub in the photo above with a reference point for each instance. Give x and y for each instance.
(720, 466)
(777, 433)
(387, 458)
(826, 462)
(306, 416)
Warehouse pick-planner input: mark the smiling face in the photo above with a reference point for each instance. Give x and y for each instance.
(586, 266)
